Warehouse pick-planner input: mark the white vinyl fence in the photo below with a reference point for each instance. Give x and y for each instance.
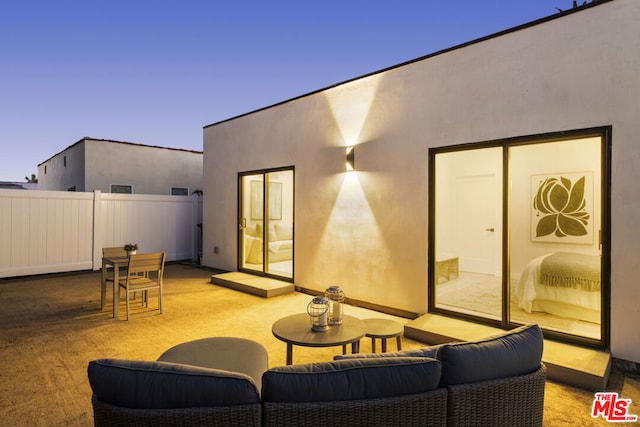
(57, 231)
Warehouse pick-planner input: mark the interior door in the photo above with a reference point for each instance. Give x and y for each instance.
(476, 223)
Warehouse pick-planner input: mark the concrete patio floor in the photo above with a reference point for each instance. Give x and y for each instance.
(51, 326)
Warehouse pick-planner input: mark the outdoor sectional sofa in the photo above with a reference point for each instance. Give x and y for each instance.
(495, 381)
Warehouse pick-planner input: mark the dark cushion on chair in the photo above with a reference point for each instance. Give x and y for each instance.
(517, 352)
(355, 379)
(162, 385)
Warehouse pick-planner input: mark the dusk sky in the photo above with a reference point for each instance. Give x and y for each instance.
(157, 72)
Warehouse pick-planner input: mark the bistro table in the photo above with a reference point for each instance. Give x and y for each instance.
(296, 330)
(116, 262)
(383, 329)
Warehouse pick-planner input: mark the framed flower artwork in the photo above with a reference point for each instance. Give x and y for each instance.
(562, 208)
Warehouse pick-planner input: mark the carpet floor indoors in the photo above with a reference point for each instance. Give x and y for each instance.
(51, 326)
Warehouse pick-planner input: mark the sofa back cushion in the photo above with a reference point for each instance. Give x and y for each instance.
(284, 232)
(517, 352)
(253, 249)
(355, 379)
(163, 385)
(412, 352)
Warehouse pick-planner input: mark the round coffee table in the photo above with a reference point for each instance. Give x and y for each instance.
(296, 330)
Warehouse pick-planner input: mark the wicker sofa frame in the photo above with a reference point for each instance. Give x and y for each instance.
(107, 415)
(413, 410)
(514, 401)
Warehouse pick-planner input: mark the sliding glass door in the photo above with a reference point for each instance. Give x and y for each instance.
(265, 238)
(555, 246)
(520, 233)
(468, 232)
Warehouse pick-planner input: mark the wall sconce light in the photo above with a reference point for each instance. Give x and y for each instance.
(351, 158)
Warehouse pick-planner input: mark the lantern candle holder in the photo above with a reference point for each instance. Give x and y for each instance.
(335, 297)
(318, 309)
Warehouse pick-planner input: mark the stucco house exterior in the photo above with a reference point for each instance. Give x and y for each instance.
(469, 163)
(122, 167)
(18, 185)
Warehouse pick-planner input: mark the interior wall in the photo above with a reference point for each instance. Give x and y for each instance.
(367, 231)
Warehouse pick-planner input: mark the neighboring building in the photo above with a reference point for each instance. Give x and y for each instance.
(122, 167)
(7, 185)
(470, 163)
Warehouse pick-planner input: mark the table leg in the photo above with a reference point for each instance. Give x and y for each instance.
(103, 286)
(373, 345)
(399, 342)
(289, 354)
(116, 289)
(384, 345)
(355, 347)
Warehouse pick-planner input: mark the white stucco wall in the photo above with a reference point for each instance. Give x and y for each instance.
(94, 164)
(367, 231)
(54, 175)
(150, 170)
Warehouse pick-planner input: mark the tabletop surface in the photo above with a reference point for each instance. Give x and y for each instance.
(296, 329)
(383, 328)
(115, 259)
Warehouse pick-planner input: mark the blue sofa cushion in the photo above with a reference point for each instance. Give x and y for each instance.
(355, 379)
(413, 352)
(162, 385)
(516, 352)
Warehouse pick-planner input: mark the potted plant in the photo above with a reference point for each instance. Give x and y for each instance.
(131, 248)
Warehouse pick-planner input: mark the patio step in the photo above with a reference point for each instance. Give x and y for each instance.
(250, 284)
(577, 366)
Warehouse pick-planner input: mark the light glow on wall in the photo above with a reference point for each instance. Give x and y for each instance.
(350, 105)
(352, 228)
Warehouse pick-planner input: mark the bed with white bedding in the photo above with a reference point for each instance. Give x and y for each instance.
(564, 284)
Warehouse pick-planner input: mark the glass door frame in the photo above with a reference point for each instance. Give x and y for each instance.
(265, 209)
(605, 134)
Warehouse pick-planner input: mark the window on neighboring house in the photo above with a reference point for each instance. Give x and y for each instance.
(121, 189)
(45, 169)
(64, 161)
(179, 191)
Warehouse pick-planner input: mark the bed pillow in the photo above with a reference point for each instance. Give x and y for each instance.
(271, 236)
(514, 353)
(250, 230)
(355, 379)
(162, 385)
